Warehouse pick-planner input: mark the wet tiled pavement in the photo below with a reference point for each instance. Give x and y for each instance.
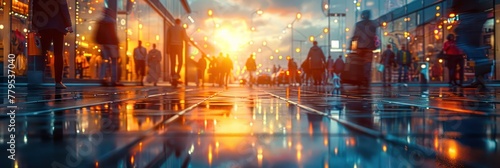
(252, 127)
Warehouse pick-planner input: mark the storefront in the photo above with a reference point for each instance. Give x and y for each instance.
(422, 26)
(144, 20)
(13, 27)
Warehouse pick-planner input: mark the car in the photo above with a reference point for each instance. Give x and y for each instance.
(283, 77)
(264, 79)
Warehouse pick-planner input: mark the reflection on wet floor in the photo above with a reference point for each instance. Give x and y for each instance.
(251, 127)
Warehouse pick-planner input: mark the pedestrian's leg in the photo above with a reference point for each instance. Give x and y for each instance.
(172, 57)
(58, 56)
(179, 59)
(406, 72)
(461, 64)
(105, 53)
(400, 70)
(384, 72)
(389, 72)
(46, 40)
(114, 70)
(452, 71)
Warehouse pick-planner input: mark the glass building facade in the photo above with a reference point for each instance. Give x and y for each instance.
(144, 20)
(422, 26)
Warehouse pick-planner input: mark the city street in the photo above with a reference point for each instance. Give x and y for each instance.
(241, 126)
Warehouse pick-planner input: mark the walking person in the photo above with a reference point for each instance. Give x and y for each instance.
(338, 68)
(251, 68)
(330, 68)
(469, 31)
(454, 57)
(154, 66)
(316, 62)
(365, 33)
(140, 55)
(52, 26)
(176, 38)
(388, 60)
(226, 70)
(213, 70)
(306, 72)
(201, 66)
(220, 69)
(292, 68)
(404, 63)
(107, 37)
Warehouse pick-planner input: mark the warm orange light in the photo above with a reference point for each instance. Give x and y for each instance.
(384, 24)
(210, 12)
(311, 38)
(325, 30)
(260, 12)
(452, 151)
(452, 15)
(299, 15)
(210, 155)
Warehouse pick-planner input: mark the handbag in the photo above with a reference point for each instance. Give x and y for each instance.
(442, 55)
(34, 44)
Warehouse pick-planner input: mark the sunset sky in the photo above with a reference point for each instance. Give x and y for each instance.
(230, 25)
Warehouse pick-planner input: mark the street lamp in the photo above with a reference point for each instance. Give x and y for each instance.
(297, 17)
(258, 12)
(326, 11)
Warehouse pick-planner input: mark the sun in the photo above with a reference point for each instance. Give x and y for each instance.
(230, 39)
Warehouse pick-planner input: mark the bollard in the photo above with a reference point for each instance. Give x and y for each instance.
(36, 61)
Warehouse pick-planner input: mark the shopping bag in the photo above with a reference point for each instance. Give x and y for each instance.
(380, 67)
(34, 44)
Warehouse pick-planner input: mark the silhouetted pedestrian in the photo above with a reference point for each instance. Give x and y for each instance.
(107, 37)
(454, 57)
(176, 38)
(52, 25)
(292, 69)
(338, 68)
(365, 34)
(226, 70)
(154, 66)
(404, 62)
(140, 55)
(469, 31)
(388, 59)
(330, 67)
(316, 62)
(201, 66)
(251, 68)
